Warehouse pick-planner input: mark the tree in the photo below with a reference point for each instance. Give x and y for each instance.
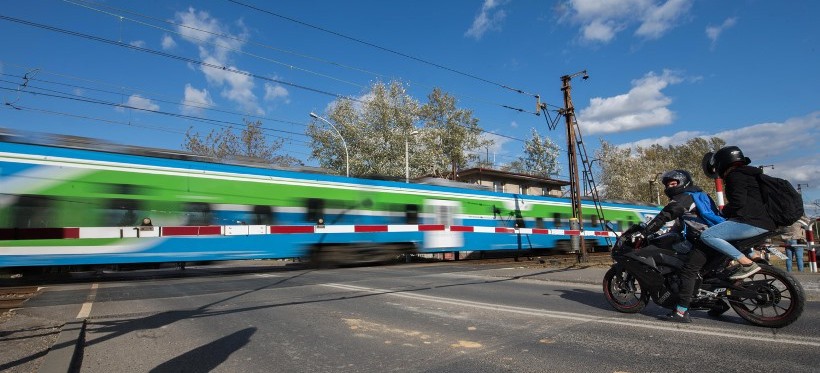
(453, 134)
(633, 175)
(374, 127)
(377, 127)
(540, 156)
(251, 144)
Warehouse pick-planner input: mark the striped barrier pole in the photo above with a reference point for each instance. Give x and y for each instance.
(719, 192)
(812, 253)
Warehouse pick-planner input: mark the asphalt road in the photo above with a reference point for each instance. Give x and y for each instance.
(444, 317)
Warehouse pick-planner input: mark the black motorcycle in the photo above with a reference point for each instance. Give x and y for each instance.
(647, 267)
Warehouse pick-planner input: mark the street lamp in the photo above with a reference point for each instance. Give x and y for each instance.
(347, 155)
(407, 156)
(657, 188)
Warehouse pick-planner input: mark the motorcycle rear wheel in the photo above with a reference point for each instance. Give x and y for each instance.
(779, 302)
(623, 292)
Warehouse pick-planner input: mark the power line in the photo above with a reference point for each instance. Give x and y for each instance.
(185, 103)
(382, 76)
(173, 56)
(215, 122)
(290, 66)
(382, 48)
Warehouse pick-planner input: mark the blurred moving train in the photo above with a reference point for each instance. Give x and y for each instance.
(68, 201)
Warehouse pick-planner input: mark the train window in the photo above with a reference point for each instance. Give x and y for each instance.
(411, 214)
(594, 220)
(315, 209)
(122, 212)
(556, 220)
(539, 223)
(32, 212)
(262, 215)
(198, 213)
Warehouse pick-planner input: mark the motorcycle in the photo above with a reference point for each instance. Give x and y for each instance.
(647, 268)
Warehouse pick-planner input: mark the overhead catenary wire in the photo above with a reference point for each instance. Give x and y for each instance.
(85, 4)
(472, 76)
(127, 124)
(185, 103)
(216, 122)
(202, 63)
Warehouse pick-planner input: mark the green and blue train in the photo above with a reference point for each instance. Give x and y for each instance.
(63, 204)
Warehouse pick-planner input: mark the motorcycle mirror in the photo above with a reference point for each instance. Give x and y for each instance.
(708, 167)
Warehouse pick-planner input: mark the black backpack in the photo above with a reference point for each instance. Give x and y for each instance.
(783, 204)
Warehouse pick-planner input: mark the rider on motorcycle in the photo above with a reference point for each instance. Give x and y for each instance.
(693, 211)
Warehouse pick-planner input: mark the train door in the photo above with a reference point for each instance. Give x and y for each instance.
(444, 213)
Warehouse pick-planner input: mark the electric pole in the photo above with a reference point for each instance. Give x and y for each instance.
(575, 197)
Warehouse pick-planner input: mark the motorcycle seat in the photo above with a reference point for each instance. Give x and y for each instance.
(755, 240)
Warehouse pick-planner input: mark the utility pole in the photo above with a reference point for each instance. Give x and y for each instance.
(575, 197)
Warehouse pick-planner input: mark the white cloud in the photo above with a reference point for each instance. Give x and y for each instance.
(498, 142)
(713, 32)
(600, 21)
(513, 124)
(139, 102)
(215, 44)
(138, 43)
(676, 139)
(643, 106)
(276, 91)
(168, 42)
(767, 140)
(196, 100)
(488, 18)
(790, 145)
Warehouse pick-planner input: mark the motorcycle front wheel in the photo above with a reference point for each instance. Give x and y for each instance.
(779, 299)
(623, 292)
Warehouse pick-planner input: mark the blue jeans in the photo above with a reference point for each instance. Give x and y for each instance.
(796, 251)
(717, 236)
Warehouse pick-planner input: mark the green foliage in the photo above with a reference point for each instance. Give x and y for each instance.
(633, 174)
(540, 156)
(250, 145)
(385, 123)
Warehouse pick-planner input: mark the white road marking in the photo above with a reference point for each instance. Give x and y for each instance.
(85, 310)
(661, 325)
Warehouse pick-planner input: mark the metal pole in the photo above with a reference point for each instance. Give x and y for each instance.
(569, 115)
(347, 155)
(406, 159)
(407, 156)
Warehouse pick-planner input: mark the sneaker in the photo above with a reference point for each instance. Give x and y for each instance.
(744, 271)
(676, 317)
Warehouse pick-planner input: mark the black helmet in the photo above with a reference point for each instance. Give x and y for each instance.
(709, 166)
(725, 157)
(683, 178)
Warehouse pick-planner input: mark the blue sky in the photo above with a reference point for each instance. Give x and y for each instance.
(660, 71)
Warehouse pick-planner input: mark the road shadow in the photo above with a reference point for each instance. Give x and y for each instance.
(207, 357)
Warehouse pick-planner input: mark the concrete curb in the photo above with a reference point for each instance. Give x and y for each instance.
(65, 356)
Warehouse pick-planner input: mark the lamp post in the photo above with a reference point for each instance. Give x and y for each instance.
(407, 156)
(347, 156)
(657, 188)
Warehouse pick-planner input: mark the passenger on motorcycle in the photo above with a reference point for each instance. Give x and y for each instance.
(693, 211)
(745, 210)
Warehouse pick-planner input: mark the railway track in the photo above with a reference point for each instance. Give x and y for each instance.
(15, 296)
